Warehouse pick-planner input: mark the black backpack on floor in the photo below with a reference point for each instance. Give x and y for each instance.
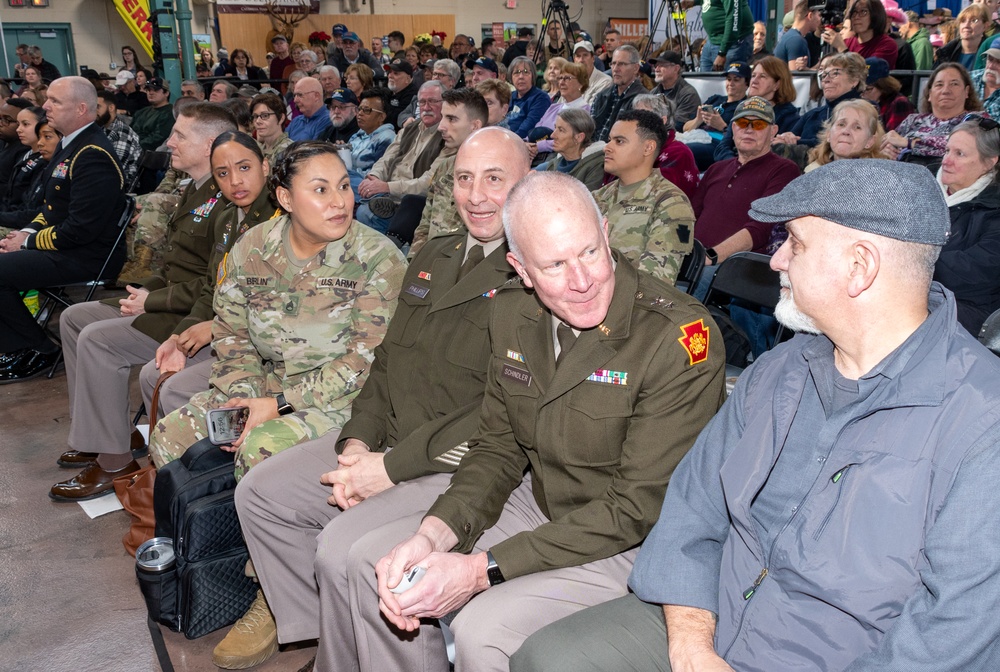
(206, 588)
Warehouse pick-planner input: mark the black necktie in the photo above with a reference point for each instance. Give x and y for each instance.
(472, 260)
(566, 338)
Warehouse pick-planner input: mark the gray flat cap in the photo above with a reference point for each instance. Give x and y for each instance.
(888, 198)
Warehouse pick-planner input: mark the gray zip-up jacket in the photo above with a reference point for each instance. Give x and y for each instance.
(891, 560)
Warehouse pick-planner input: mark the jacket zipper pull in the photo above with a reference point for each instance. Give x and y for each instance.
(748, 593)
(840, 474)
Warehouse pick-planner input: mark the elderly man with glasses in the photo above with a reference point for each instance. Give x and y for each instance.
(343, 107)
(669, 83)
(618, 98)
(314, 120)
(723, 200)
(407, 165)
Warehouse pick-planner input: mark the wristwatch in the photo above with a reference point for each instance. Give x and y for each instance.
(493, 573)
(712, 255)
(284, 408)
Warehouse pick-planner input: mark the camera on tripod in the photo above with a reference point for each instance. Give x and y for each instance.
(832, 12)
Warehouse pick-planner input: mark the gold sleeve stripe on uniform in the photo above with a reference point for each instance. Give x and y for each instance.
(46, 239)
(114, 162)
(40, 219)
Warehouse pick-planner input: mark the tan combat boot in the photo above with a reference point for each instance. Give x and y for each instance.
(251, 641)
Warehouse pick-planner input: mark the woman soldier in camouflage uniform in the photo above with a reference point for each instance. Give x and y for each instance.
(301, 303)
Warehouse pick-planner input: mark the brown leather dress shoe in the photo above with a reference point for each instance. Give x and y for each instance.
(89, 483)
(74, 459)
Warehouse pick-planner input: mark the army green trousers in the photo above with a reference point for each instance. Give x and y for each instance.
(177, 432)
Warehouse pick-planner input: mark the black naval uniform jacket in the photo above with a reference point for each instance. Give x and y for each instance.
(84, 199)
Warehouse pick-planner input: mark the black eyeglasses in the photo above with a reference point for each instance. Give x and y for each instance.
(985, 123)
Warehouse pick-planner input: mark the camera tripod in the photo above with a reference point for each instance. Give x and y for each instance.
(559, 10)
(679, 30)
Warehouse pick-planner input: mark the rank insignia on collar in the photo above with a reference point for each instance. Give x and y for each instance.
(609, 377)
(516, 356)
(604, 330)
(695, 341)
(424, 275)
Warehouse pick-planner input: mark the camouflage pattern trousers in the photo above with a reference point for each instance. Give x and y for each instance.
(178, 431)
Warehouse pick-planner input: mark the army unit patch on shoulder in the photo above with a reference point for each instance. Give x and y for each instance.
(695, 341)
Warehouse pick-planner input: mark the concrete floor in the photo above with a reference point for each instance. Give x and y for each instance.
(68, 593)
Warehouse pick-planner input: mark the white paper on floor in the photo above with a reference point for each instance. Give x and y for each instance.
(109, 502)
(101, 505)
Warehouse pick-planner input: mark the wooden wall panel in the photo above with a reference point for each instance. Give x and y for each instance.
(249, 31)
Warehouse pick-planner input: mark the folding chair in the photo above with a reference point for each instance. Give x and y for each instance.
(989, 334)
(58, 294)
(150, 162)
(745, 277)
(691, 269)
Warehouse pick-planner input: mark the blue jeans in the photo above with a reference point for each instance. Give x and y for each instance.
(355, 178)
(739, 52)
(369, 218)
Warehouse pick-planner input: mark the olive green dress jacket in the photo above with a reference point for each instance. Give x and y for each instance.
(601, 434)
(425, 389)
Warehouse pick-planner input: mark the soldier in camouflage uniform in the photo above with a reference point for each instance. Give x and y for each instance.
(300, 334)
(439, 216)
(147, 233)
(650, 220)
(463, 111)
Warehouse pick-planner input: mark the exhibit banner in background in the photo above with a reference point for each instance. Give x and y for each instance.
(135, 14)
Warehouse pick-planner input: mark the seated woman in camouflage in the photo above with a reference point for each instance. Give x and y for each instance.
(301, 303)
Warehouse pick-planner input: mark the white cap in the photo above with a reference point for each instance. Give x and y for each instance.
(122, 77)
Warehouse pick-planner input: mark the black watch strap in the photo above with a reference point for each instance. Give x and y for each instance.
(493, 573)
(712, 255)
(284, 408)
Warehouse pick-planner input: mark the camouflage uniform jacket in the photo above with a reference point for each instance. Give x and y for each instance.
(440, 215)
(653, 227)
(310, 332)
(427, 381)
(227, 229)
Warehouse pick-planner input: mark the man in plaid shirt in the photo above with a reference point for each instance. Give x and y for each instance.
(123, 138)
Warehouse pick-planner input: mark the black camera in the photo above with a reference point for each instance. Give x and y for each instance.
(832, 12)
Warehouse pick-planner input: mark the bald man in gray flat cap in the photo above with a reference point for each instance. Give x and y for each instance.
(839, 513)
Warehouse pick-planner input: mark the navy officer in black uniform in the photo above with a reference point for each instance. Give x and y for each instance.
(72, 233)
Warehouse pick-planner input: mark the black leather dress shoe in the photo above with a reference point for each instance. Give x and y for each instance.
(75, 459)
(8, 358)
(29, 365)
(90, 483)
